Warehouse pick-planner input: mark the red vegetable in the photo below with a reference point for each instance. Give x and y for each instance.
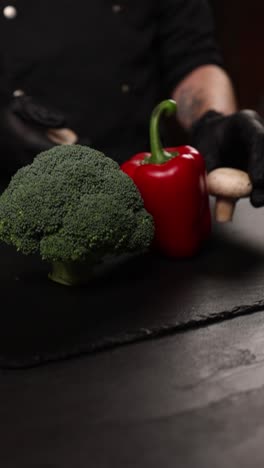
(172, 182)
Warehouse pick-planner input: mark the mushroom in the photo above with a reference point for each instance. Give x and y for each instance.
(62, 136)
(227, 185)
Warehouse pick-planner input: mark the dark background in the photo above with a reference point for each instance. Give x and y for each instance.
(239, 30)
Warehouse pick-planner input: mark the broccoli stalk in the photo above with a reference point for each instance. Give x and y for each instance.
(74, 207)
(70, 274)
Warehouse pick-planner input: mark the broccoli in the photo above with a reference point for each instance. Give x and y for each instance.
(74, 207)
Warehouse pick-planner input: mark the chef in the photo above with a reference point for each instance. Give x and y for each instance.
(92, 71)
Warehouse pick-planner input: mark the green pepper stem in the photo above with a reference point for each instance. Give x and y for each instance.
(158, 154)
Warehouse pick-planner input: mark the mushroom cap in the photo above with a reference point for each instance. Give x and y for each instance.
(62, 136)
(228, 182)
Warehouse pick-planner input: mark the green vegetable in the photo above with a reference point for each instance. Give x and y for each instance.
(74, 206)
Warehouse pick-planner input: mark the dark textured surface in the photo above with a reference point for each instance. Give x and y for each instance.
(137, 299)
(191, 400)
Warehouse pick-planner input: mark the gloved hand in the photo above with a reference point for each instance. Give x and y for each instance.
(235, 141)
(27, 128)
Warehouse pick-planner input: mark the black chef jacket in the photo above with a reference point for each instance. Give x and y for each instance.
(104, 64)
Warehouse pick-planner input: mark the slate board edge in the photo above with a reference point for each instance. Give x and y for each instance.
(135, 336)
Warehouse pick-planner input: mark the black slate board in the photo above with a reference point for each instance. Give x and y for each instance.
(137, 298)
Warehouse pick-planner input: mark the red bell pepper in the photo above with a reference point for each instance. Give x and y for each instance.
(172, 183)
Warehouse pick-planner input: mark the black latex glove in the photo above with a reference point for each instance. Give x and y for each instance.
(235, 141)
(24, 124)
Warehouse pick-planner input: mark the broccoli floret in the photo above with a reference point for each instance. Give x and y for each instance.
(74, 206)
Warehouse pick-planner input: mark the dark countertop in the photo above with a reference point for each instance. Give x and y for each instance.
(193, 399)
(141, 298)
(190, 400)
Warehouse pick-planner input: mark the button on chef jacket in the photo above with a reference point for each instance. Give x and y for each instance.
(104, 64)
